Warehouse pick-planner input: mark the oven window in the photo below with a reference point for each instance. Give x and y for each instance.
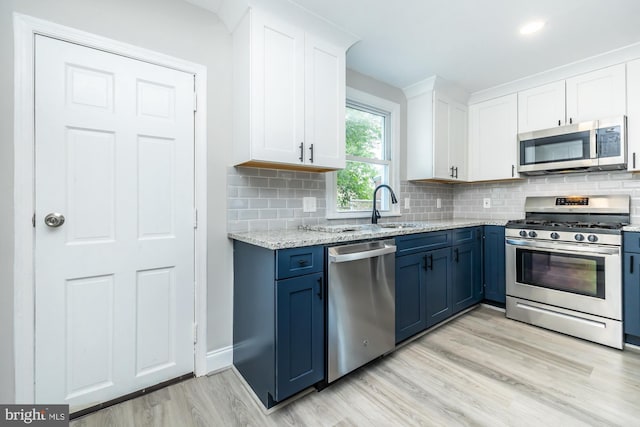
(579, 274)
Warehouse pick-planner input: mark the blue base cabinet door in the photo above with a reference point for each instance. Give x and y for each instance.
(494, 266)
(631, 287)
(438, 289)
(299, 334)
(411, 315)
(466, 276)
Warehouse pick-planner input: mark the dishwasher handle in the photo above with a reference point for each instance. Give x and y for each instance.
(388, 249)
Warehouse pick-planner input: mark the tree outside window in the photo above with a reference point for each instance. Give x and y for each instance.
(367, 160)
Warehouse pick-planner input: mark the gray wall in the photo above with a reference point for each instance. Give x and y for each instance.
(173, 27)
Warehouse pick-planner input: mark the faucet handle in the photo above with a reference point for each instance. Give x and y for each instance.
(377, 213)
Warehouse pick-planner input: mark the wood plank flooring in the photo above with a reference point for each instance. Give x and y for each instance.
(478, 370)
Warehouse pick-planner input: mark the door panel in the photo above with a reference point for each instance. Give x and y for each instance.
(410, 295)
(114, 283)
(438, 279)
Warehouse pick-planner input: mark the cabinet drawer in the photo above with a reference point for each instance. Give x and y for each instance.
(466, 235)
(631, 242)
(413, 243)
(299, 261)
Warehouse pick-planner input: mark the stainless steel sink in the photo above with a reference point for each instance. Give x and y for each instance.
(399, 225)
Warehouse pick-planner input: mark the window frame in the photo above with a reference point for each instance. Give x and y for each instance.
(391, 110)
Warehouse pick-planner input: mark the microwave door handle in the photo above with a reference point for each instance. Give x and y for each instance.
(593, 142)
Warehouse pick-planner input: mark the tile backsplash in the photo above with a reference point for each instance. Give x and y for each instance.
(268, 199)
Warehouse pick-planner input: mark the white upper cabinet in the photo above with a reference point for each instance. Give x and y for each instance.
(436, 138)
(591, 96)
(596, 95)
(541, 107)
(289, 97)
(633, 115)
(493, 143)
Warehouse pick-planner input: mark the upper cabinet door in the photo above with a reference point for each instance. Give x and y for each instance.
(541, 107)
(277, 90)
(596, 95)
(458, 140)
(441, 138)
(493, 144)
(289, 97)
(633, 115)
(325, 77)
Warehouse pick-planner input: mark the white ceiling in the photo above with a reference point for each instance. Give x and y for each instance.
(475, 43)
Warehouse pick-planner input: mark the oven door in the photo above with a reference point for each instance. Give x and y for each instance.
(573, 276)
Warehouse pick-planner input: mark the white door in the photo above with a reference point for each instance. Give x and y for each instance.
(633, 115)
(115, 282)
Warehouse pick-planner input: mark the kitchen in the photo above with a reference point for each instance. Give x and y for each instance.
(460, 201)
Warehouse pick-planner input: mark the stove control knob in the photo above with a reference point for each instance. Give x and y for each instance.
(523, 233)
(555, 235)
(579, 237)
(592, 238)
(533, 234)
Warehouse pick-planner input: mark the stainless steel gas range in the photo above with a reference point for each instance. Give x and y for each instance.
(563, 265)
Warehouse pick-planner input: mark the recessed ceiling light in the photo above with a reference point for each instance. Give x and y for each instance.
(532, 27)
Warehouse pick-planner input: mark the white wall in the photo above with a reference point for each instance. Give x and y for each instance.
(173, 27)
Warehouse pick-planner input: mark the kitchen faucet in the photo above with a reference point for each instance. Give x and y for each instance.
(375, 214)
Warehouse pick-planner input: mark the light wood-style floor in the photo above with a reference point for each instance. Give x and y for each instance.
(480, 369)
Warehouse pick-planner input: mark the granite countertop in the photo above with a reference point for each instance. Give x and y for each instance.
(326, 235)
(631, 227)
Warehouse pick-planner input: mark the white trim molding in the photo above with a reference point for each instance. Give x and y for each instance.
(220, 359)
(25, 29)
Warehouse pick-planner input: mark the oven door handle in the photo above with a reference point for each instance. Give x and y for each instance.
(558, 247)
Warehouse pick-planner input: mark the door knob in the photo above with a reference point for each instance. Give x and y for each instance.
(54, 219)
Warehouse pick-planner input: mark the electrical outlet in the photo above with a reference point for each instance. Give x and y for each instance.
(486, 203)
(438, 203)
(407, 203)
(308, 204)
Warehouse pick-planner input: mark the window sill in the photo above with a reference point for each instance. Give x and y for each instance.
(361, 214)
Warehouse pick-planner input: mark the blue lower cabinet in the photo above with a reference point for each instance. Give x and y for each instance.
(494, 264)
(411, 315)
(299, 334)
(278, 319)
(631, 288)
(438, 274)
(466, 275)
(438, 286)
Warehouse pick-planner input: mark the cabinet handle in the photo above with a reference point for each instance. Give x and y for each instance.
(456, 255)
(425, 266)
(558, 122)
(451, 171)
(456, 172)
(311, 149)
(302, 262)
(430, 262)
(634, 160)
(319, 288)
(570, 121)
(513, 171)
(301, 152)
(631, 264)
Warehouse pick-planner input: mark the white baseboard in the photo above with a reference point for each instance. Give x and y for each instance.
(219, 359)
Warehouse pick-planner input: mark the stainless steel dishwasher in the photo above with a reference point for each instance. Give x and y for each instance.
(361, 305)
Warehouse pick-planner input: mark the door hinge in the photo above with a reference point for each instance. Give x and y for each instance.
(195, 101)
(33, 220)
(195, 218)
(195, 333)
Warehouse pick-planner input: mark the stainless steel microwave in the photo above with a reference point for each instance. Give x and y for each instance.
(586, 146)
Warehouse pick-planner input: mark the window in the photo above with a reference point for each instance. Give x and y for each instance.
(371, 158)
